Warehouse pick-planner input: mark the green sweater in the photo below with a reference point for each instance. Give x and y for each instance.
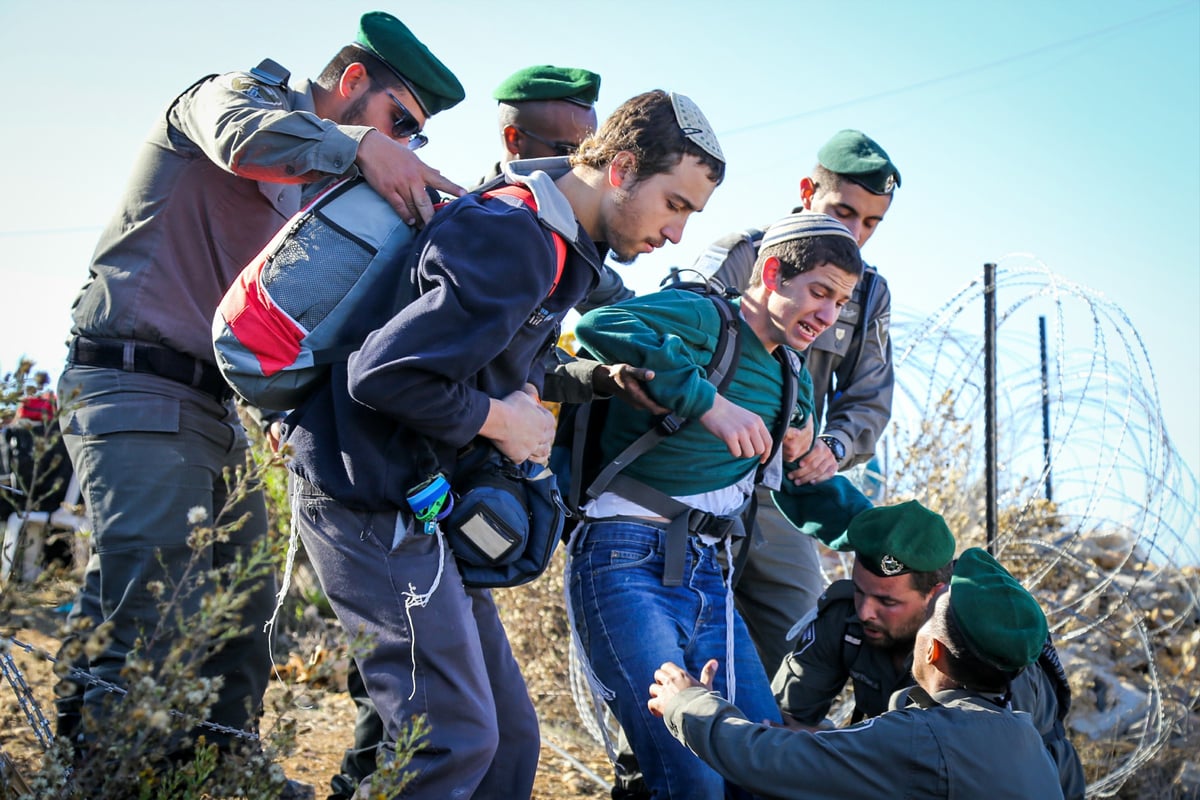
(674, 332)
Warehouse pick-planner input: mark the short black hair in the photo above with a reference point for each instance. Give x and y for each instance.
(380, 74)
(824, 180)
(924, 582)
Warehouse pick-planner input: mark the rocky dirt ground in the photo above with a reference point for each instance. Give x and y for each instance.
(1135, 677)
(572, 764)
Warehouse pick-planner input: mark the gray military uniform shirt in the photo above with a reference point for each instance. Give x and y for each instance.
(958, 744)
(220, 173)
(829, 651)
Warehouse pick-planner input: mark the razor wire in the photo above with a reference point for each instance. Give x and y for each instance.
(26, 701)
(1114, 470)
(1112, 463)
(37, 719)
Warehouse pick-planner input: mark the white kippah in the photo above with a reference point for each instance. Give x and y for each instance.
(802, 225)
(694, 126)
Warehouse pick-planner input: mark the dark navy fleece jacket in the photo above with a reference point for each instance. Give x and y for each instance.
(484, 268)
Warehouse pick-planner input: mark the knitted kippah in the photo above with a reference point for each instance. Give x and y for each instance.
(695, 127)
(804, 224)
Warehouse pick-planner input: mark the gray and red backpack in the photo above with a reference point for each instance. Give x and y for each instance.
(330, 276)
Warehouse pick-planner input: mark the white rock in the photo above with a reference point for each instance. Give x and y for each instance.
(1110, 709)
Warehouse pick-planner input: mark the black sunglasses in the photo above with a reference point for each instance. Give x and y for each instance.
(559, 148)
(407, 127)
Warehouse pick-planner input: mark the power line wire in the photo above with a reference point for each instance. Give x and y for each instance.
(961, 73)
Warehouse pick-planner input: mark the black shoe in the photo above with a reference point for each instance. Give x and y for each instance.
(343, 787)
(295, 790)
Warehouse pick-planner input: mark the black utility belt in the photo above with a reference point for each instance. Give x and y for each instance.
(151, 359)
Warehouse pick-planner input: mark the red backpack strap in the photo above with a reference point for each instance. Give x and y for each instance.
(560, 244)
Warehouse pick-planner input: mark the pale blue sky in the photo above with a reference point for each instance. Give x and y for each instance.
(1067, 130)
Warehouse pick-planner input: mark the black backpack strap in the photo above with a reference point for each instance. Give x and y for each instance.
(791, 389)
(720, 373)
(683, 518)
(579, 436)
(1050, 663)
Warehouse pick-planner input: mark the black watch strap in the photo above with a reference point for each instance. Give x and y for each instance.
(835, 446)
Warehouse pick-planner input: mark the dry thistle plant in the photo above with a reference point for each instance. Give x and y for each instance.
(153, 739)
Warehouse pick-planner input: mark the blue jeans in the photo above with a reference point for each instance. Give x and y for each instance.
(448, 660)
(629, 624)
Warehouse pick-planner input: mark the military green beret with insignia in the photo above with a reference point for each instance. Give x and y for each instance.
(895, 540)
(546, 82)
(856, 156)
(1000, 621)
(430, 81)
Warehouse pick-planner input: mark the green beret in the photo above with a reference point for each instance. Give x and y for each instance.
(854, 155)
(430, 81)
(1000, 621)
(822, 510)
(546, 82)
(894, 540)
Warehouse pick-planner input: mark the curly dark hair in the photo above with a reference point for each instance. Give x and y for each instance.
(645, 126)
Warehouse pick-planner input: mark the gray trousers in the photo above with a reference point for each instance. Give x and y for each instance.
(447, 659)
(149, 453)
(779, 582)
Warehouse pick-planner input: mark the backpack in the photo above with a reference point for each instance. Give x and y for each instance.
(505, 519)
(576, 458)
(35, 468)
(328, 278)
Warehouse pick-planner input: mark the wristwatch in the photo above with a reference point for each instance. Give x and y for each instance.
(835, 446)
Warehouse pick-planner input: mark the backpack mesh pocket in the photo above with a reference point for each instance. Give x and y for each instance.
(315, 268)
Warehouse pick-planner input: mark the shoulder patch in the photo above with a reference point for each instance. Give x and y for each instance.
(862, 726)
(256, 90)
(804, 625)
(881, 330)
